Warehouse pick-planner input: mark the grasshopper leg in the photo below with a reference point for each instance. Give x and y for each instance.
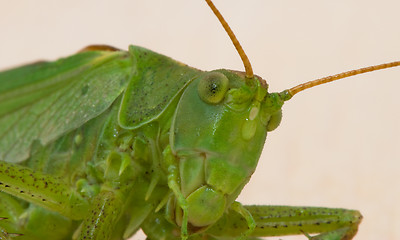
(173, 184)
(238, 207)
(42, 189)
(10, 211)
(326, 223)
(23, 221)
(59, 204)
(104, 212)
(4, 234)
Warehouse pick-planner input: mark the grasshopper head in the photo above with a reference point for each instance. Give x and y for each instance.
(217, 135)
(218, 132)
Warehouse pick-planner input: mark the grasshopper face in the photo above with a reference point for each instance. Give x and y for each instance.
(218, 133)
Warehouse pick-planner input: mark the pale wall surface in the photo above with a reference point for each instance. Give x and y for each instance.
(338, 145)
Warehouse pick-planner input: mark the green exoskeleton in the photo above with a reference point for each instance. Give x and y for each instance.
(104, 142)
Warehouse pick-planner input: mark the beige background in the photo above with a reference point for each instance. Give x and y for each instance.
(338, 145)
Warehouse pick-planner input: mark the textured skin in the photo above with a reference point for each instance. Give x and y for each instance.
(152, 153)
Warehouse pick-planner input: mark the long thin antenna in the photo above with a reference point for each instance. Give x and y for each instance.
(292, 91)
(243, 56)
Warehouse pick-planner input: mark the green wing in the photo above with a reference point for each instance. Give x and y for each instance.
(47, 99)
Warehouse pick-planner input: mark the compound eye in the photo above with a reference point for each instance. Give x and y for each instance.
(212, 87)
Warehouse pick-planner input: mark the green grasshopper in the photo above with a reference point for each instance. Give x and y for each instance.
(136, 163)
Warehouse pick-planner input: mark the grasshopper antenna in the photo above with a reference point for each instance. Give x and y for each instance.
(228, 30)
(289, 93)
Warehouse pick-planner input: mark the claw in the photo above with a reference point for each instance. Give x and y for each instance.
(4, 235)
(8, 236)
(306, 234)
(153, 184)
(15, 235)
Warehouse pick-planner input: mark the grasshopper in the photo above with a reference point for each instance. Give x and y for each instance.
(77, 139)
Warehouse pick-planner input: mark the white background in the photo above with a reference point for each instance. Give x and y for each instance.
(338, 145)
